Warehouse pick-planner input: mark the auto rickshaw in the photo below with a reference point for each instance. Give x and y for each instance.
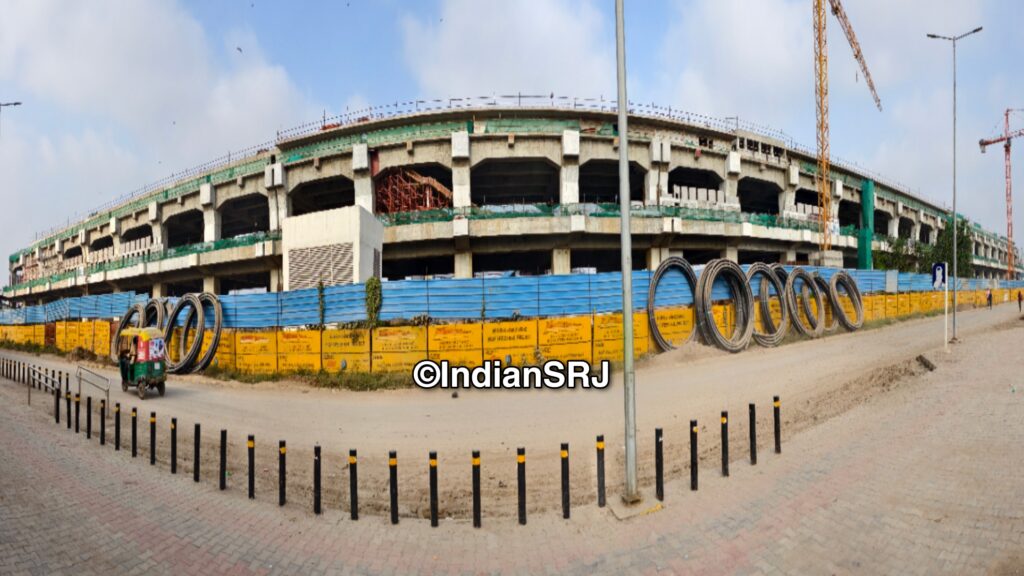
(142, 358)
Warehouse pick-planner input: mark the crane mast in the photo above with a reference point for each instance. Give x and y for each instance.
(823, 177)
(1006, 139)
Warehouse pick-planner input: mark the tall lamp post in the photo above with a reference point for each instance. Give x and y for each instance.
(953, 40)
(6, 104)
(632, 492)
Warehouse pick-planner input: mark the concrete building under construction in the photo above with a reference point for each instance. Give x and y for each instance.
(468, 191)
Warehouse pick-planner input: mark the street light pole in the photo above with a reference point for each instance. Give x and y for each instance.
(4, 105)
(956, 246)
(632, 492)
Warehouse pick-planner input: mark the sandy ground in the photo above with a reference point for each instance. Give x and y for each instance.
(815, 379)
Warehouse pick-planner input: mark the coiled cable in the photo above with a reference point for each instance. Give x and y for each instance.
(691, 279)
(773, 334)
(743, 300)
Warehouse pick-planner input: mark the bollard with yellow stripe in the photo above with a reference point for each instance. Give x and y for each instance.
(564, 453)
(476, 489)
(353, 481)
(432, 464)
(600, 471)
(393, 484)
(521, 483)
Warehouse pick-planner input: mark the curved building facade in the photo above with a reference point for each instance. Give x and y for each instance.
(478, 191)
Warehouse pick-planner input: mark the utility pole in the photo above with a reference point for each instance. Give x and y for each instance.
(956, 277)
(6, 104)
(632, 493)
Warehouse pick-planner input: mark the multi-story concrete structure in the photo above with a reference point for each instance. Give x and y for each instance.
(471, 191)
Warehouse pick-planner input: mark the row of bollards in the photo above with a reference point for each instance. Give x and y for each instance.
(21, 372)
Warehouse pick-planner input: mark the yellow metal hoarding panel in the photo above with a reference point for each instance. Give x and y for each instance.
(566, 352)
(510, 335)
(397, 361)
(891, 306)
(292, 363)
(609, 326)
(347, 361)
(101, 338)
(298, 342)
(349, 342)
(470, 358)
(565, 330)
(399, 339)
(611, 350)
(252, 343)
(256, 363)
(675, 324)
(522, 356)
(455, 337)
(61, 338)
(903, 304)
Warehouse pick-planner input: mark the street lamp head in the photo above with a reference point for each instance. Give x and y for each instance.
(933, 35)
(978, 29)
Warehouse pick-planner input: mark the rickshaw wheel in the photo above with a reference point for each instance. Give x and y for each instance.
(142, 390)
(124, 385)
(161, 388)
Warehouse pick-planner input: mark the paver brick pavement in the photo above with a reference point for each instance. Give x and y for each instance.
(923, 479)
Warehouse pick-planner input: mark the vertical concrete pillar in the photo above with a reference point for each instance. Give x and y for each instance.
(788, 256)
(362, 179)
(211, 284)
(561, 261)
(159, 232)
(461, 197)
(894, 225)
(655, 256)
(211, 224)
(159, 290)
(569, 176)
(731, 253)
(732, 178)
(866, 234)
(656, 184)
(276, 280)
(277, 201)
(787, 198)
(464, 264)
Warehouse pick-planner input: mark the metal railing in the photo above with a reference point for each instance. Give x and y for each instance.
(97, 381)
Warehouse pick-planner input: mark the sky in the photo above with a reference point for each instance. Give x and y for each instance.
(118, 94)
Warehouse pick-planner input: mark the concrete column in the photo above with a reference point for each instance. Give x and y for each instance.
(894, 226)
(788, 256)
(464, 264)
(656, 255)
(211, 284)
(732, 178)
(561, 261)
(569, 183)
(655, 184)
(364, 190)
(787, 200)
(731, 253)
(280, 209)
(276, 280)
(211, 224)
(159, 290)
(915, 231)
(159, 232)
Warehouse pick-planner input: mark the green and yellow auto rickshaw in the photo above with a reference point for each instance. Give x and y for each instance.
(142, 358)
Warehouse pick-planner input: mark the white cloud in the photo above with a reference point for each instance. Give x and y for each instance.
(495, 47)
(143, 95)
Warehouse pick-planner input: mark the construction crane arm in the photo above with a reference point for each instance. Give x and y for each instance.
(840, 14)
(1000, 139)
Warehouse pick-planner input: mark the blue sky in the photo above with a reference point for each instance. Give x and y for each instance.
(120, 93)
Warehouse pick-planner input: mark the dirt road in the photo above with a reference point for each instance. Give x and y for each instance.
(815, 380)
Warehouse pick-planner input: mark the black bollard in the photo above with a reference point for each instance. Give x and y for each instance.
(725, 443)
(103, 422)
(393, 471)
(282, 472)
(600, 471)
(776, 407)
(78, 411)
(564, 453)
(476, 489)
(659, 467)
(251, 445)
(67, 405)
(753, 435)
(88, 417)
(174, 445)
(195, 454)
(432, 465)
(223, 459)
(521, 483)
(316, 479)
(135, 444)
(56, 405)
(693, 454)
(152, 438)
(353, 484)
(117, 426)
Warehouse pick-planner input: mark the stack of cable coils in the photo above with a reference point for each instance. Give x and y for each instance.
(842, 279)
(828, 303)
(800, 278)
(768, 279)
(671, 263)
(743, 300)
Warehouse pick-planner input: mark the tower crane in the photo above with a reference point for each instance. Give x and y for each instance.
(1006, 139)
(821, 92)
